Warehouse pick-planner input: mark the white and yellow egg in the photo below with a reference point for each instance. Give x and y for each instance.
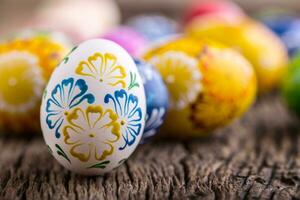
(94, 107)
(209, 85)
(26, 64)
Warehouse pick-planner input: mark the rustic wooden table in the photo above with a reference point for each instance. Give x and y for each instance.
(256, 157)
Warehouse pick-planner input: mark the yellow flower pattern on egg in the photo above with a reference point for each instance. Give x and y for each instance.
(20, 76)
(94, 108)
(25, 66)
(104, 68)
(181, 74)
(209, 85)
(86, 140)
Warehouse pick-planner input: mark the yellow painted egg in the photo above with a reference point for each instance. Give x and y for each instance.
(26, 64)
(257, 43)
(209, 85)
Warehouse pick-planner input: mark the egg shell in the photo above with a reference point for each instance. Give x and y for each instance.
(81, 20)
(222, 9)
(94, 107)
(56, 36)
(277, 22)
(209, 85)
(26, 64)
(287, 27)
(291, 85)
(132, 41)
(153, 27)
(257, 43)
(157, 98)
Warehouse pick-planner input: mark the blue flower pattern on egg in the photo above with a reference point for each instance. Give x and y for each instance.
(65, 96)
(156, 96)
(130, 115)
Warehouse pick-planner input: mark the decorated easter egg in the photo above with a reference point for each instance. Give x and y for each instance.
(25, 67)
(132, 41)
(157, 98)
(56, 36)
(222, 9)
(93, 110)
(291, 85)
(209, 85)
(278, 21)
(81, 20)
(258, 44)
(291, 38)
(286, 26)
(153, 27)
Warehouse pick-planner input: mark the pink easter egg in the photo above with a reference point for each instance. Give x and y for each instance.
(132, 41)
(220, 9)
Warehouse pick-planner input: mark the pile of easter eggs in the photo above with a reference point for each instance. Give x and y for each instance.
(121, 85)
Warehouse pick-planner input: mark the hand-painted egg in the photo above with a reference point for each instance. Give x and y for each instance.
(56, 36)
(153, 27)
(25, 67)
(81, 20)
(291, 85)
(223, 9)
(278, 21)
(287, 27)
(157, 98)
(209, 85)
(132, 41)
(93, 111)
(258, 44)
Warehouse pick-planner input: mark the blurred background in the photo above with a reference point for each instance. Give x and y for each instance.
(16, 13)
(137, 26)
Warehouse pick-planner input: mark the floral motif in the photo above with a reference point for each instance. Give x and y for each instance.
(130, 115)
(181, 75)
(65, 96)
(21, 82)
(154, 121)
(104, 68)
(91, 133)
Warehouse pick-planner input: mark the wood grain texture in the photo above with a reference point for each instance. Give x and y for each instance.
(256, 157)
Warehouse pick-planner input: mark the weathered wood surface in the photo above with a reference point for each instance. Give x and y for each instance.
(256, 157)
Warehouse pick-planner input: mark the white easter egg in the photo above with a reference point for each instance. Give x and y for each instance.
(81, 20)
(93, 109)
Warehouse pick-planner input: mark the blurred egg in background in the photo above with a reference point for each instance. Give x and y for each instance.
(209, 85)
(286, 25)
(153, 27)
(80, 19)
(257, 43)
(26, 63)
(56, 36)
(132, 41)
(291, 85)
(225, 10)
(157, 98)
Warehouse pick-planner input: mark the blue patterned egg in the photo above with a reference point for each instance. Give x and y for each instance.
(153, 27)
(157, 98)
(94, 107)
(287, 27)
